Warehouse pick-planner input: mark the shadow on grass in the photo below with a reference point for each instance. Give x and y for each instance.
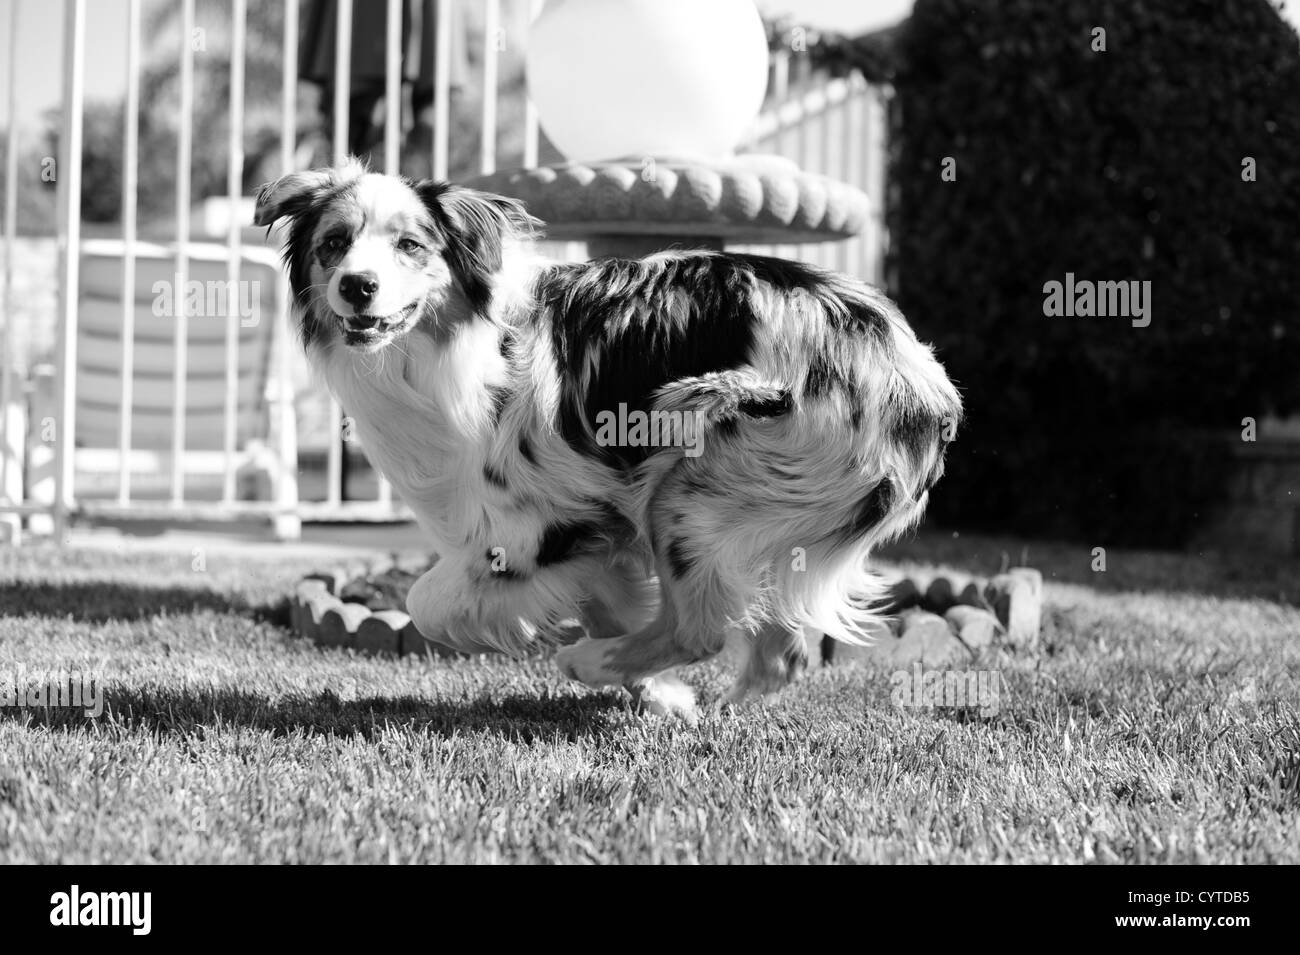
(185, 712)
(101, 601)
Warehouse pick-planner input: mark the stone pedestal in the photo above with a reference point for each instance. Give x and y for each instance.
(635, 207)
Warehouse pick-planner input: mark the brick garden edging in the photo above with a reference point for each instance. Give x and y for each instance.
(318, 612)
(942, 620)
(949, 620)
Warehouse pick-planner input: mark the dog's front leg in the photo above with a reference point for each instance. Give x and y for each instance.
(437, 604)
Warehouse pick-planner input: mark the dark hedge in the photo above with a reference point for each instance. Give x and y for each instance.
(1119, 165)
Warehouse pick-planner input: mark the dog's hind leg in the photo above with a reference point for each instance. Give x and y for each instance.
(691, 626)
(775, 657)
(642, 661)
(623, 599)
(625, 602)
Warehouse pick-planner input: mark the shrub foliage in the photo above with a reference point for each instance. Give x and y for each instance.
(1126, 164)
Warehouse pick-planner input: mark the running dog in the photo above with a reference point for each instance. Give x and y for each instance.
(775, 422)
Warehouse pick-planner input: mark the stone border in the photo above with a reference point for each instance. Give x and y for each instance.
(317, 612)
(949, 619)
(941, 620)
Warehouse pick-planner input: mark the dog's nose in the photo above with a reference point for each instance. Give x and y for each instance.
(358, 288)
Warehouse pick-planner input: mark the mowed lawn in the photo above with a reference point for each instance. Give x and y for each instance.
(1158, 722)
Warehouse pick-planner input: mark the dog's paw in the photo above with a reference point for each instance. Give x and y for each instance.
(588, 661)
(756, 686)
(765, 673)
(664, 695)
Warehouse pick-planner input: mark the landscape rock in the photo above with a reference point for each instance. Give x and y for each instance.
(939, 596)
(975, 627)
(382, 591)
(903, 593)
(1017, 599)
(927, 638)
(972, 595)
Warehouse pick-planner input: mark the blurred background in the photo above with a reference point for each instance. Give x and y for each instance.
(1162, 150)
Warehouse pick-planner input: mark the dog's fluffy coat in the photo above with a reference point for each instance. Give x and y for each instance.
(477, 375)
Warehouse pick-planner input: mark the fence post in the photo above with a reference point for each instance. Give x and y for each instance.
(234, 244)
(180, 308)
(11, 425)
(13, 428)
(68, 176)
(130, 188)
(41, 448)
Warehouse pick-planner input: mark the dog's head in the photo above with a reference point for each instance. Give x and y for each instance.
(371, 257)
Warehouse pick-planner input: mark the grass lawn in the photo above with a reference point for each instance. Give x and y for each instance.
(1158, 722)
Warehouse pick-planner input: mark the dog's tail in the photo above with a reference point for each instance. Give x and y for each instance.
(905, 411)
(695, 407)
(827, 585)
(831, 455)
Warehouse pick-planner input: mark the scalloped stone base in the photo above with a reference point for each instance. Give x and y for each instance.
(322, 611)
(942, 620)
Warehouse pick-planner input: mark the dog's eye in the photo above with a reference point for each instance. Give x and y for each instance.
(335, 244)
(409, 246)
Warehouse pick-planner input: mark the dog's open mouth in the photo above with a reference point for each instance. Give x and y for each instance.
(378, 328)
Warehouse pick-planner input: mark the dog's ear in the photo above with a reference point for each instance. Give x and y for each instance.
(296, 192)
(290, 195)
(476, 226)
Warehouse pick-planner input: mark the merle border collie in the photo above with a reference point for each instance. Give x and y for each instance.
(775, 422)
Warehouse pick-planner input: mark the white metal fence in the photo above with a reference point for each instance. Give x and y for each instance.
(241, 402)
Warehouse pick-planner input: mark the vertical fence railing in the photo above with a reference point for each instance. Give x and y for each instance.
(286, 477)
(130, 194)
(10, 457)
(234, 251)
(342, 93)
(393, 88)
(68, 177)
(491, 53)
(442, 89)
(855, 130)
(842, 118)
(877, 180)
(837, 130)
(184, 148)
(392, 133)
(532, 125)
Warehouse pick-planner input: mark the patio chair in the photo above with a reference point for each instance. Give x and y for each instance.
(264, 458)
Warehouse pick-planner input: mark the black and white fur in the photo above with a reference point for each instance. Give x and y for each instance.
(475, 371)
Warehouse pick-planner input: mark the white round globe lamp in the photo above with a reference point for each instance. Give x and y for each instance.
(669, 79)
(618, 83)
